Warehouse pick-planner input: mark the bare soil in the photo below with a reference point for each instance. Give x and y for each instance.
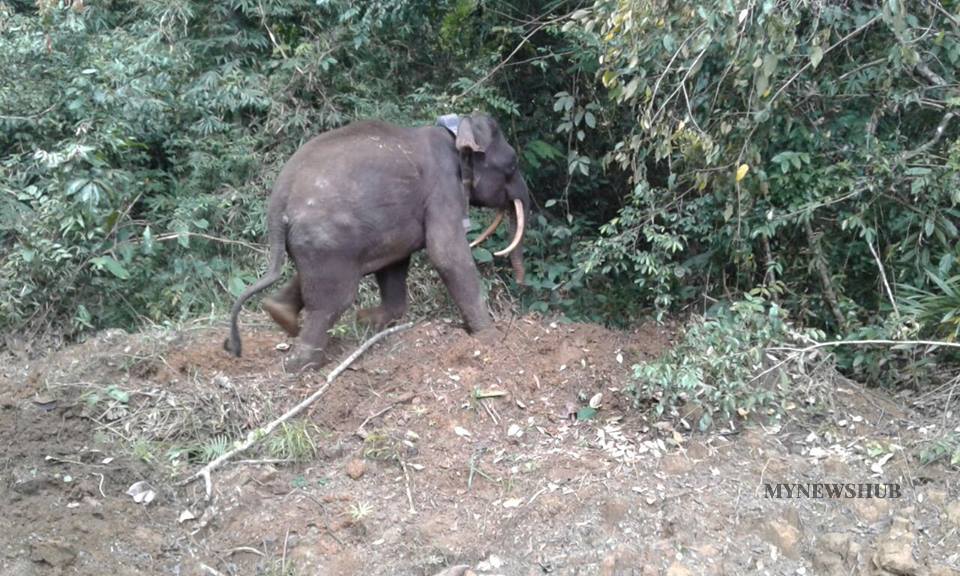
(436, 450)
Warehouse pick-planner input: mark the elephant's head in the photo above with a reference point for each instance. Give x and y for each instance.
(491, 173)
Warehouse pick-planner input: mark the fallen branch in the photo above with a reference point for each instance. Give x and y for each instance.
(798, 353)
(406, 475)
(869, 342)
(260, 433)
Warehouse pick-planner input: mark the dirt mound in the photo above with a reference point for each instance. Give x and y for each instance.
(437, 449)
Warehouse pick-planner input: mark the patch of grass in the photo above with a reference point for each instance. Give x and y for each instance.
(277, 568)
(292, 442)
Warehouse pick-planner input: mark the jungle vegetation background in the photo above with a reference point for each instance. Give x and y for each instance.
(772, 166)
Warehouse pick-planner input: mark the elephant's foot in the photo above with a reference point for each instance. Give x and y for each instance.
(489, 335)
(378, 317)
(304, 359)
(283, 314)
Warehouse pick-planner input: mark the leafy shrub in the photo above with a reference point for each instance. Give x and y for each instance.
(808, 144)
(721, 365)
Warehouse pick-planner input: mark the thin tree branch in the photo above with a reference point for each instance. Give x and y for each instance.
(523, 42)
(937, 135)
(809, 63)
(817, 346)
(883, 276)
(819, 264)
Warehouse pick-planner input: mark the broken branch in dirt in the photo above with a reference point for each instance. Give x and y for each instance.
(403, 398)
(260, 433)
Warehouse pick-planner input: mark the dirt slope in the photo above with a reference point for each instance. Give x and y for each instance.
(469, 453)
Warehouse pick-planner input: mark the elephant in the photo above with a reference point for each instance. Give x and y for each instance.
(361, 199)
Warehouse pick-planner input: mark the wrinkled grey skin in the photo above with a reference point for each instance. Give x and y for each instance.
(360, 200)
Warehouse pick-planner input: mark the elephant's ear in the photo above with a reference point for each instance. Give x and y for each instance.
(466, 138)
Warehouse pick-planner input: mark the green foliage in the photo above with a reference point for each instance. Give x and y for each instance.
(721, 365)
(779, 144)
(937, 309)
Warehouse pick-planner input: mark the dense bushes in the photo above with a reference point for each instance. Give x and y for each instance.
(807, 147)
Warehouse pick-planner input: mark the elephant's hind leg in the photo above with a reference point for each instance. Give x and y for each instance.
(327, 289)
(392, 281)
(285, 306)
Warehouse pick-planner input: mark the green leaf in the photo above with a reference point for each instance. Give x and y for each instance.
(586, 413)
(147, 241)
(117, 394)
(816, 55)
(482, 255)
(236, 285)
(705, 422)
(112, 266)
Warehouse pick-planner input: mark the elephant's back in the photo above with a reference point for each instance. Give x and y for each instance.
(360, 182)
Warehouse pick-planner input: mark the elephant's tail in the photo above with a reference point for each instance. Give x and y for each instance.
(278, 254)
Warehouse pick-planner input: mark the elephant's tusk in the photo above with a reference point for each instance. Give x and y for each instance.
(518, 206)
(490, 229)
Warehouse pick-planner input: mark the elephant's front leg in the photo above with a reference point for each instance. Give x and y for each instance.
(448, 250)
(285, 306)
(327, 288)
(392, 281)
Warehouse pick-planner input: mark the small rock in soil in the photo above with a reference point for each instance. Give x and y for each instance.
(356, 468)
(953, 512)
(461, 570)
(785, 536)
(678, 569)
(895, 550)
(55, 554)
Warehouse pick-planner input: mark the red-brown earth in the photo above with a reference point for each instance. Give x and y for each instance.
(434, 450)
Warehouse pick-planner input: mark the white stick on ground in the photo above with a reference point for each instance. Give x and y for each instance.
(260, 433)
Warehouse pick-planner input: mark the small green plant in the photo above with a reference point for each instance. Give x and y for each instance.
(143, 450)
(946, 450)
(279, 568)
(299, 482)
(718, 364)
(377, 446)
(214, 448)
(292, 442)
(360, 510)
